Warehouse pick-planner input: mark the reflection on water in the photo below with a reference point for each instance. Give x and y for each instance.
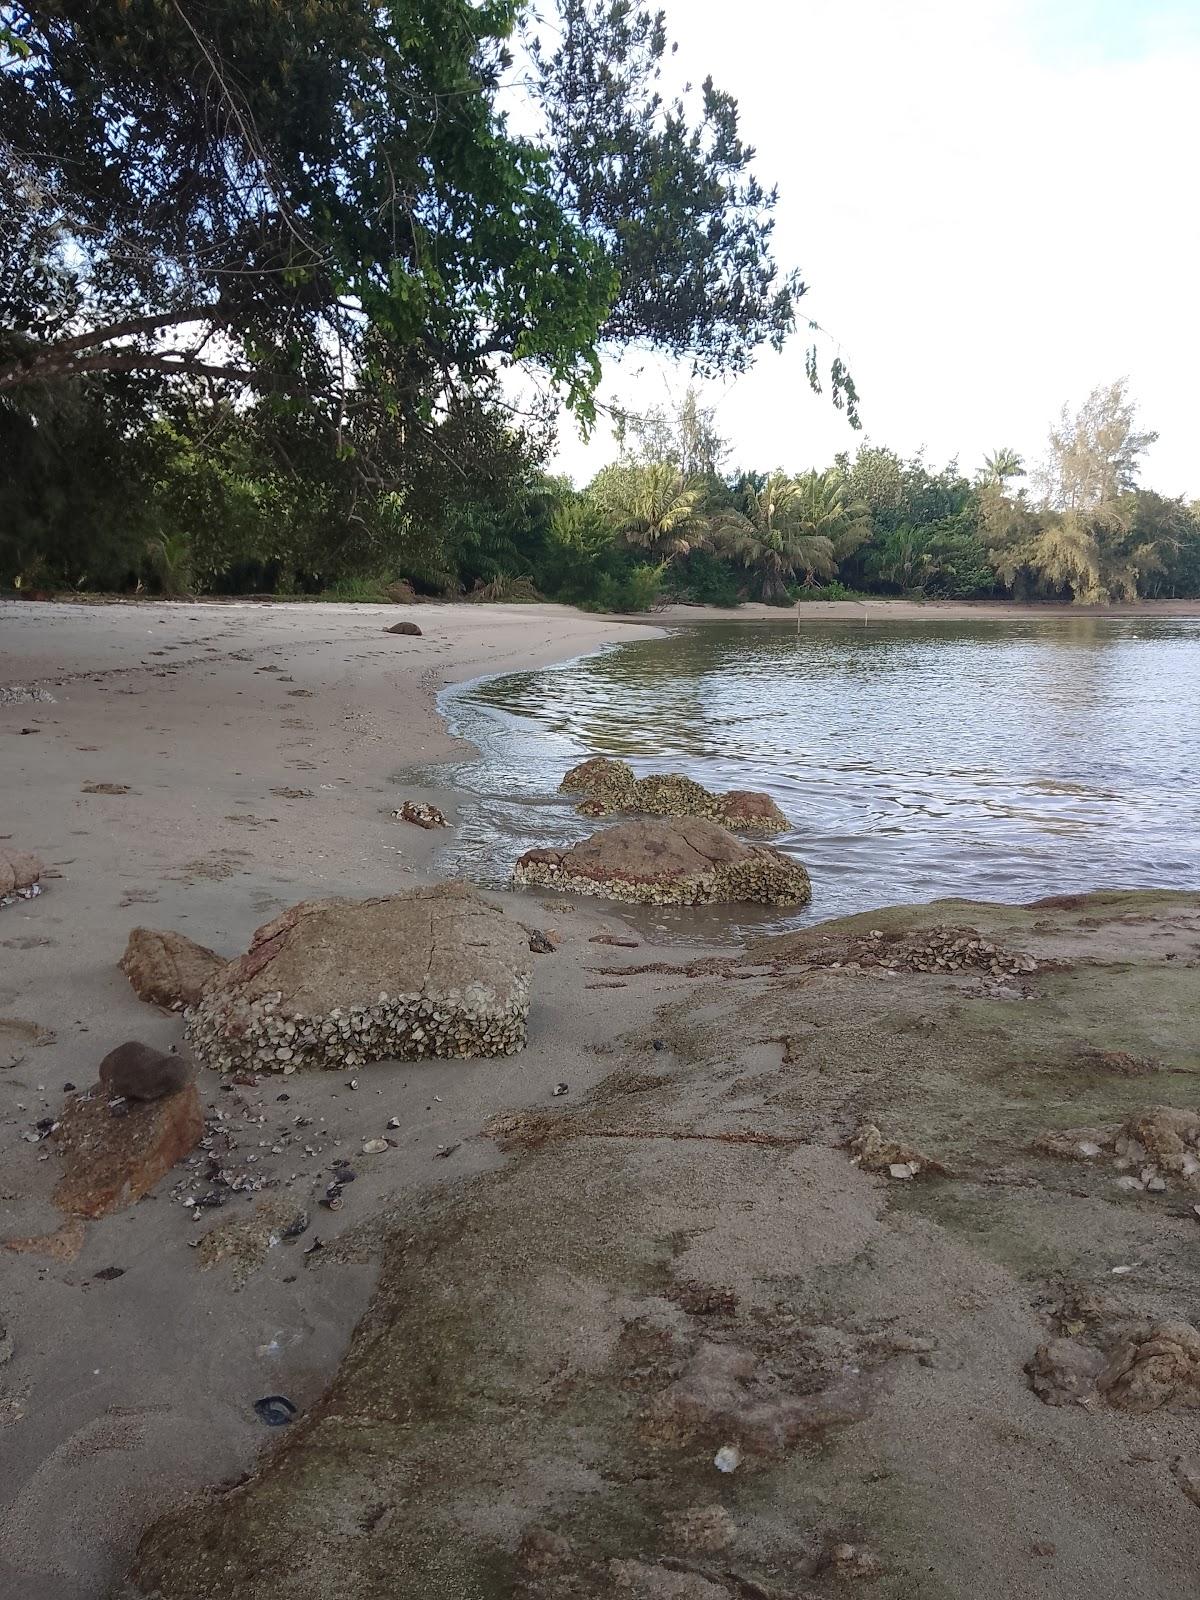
(992, 760)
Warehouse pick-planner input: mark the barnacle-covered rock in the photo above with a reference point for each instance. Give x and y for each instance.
(684, 861)
(610, 786)
(337, 983)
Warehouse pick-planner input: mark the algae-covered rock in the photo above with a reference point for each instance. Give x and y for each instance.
(610, 786)
(685, 861)
(336, 983)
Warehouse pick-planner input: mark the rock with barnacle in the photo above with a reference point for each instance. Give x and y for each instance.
(338, 983)
(609, 786)
(684, 861)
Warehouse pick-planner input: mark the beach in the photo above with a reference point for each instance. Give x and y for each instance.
(253, 755)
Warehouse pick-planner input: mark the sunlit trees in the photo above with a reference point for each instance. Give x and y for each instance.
(1094, 455)
(790, 528)
(651, 506)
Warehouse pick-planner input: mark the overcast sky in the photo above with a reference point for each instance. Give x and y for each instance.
(994, 203)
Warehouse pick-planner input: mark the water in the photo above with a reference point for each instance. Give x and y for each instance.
(997, 761)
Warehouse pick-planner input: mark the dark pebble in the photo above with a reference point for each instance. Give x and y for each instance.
(107, 1274)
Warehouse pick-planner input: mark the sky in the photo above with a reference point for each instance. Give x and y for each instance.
(994, 204)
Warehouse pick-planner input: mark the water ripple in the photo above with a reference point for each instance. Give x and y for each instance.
(995, 760)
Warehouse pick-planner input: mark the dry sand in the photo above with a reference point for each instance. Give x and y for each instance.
(125, 1393)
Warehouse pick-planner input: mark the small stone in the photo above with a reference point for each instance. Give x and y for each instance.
(728, 1458)
(560, 1088)
(137, 1071)
(393, 1122)
(375, 1147)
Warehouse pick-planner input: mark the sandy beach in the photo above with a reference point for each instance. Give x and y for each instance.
(205, 713)
(258, 752)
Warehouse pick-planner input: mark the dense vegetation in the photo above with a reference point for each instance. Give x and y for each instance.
(265, 272)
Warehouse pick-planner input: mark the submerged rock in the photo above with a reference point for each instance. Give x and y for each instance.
(610, 786)
(689, 861)
(336, 983)
(168, 969)
(111, 1161)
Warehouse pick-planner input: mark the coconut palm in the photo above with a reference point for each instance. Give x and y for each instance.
(653, 506)
(999, 467)
(792, 526)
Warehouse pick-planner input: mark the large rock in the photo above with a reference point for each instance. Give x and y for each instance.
(610, 786)
(19, 874)
(168, 969)
(683, 862)
(336, 983)
(110, 1159)
(410, 628)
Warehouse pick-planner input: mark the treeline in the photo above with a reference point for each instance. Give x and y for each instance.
(228, 498)
(265, 272)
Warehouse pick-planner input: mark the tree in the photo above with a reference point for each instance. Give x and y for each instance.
(252, 193)
(673, 203)
(825, 509)
(651, 506)
(685, 436)
(786, 527)
(999, 467)
(1094, 456)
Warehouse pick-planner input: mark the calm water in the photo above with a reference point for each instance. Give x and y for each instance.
(992, 760)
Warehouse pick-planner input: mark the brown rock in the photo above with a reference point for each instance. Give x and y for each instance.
(752, 811)
(1154, 1365)
(336, 983)
(139, 1072)
(424, 816)
(18, 873)
(112, 1161)
(682, 861)
(1187, 1475)
(1063, 1373)
(404, 627)
(168, 969)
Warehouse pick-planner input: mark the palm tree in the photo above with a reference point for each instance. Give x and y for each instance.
(998, 467)
(652, 506)
(827, 512)
(790, 526)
